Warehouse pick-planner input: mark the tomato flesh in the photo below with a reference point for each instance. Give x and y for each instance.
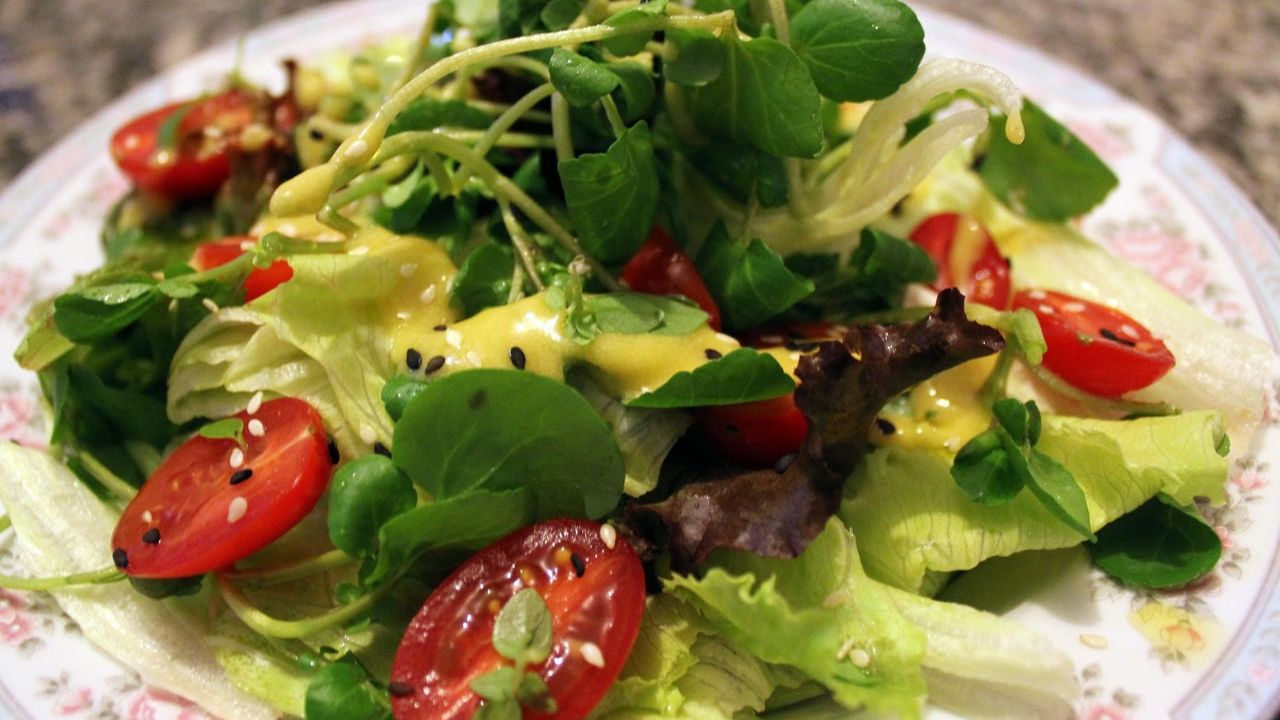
(190, 519)
(660, 267)
(259, 282)
(197, 164)
(1095, 348)
(449, 642)
(974, 265)
(755, 434)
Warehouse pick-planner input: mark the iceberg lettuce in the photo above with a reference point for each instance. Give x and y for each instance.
(911, 518)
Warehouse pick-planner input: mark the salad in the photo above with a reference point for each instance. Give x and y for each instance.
(611, 360)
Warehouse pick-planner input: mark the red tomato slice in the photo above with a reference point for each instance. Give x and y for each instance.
(755, 434)
(974, 264)
(450, 641)
(201, 512)
(1093, 347)
(259, 282)
(660, 267)
(197, 164)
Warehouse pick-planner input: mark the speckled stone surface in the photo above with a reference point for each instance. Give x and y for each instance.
(1212, 70)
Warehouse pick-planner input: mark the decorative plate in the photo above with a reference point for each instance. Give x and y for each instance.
(1207, 651)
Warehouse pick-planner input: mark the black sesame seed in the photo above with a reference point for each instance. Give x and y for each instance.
(120, 558)
(1109, 335)
(151, 537)
(413, 359)
(885, 426)
(712, 354)
(240, 476)
(399, 689)
(440, 328)
(316, 134)
(784, 462)
(381, 449)
(334, 456)
(579, 565)
(517, 358)
(434, 364)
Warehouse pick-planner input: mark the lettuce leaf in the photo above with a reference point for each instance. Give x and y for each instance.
(319, 336)
(62, 528)
(911, 517)
(678, 669)
(875, 646)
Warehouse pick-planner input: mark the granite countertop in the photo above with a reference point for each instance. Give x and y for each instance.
(1209, 69)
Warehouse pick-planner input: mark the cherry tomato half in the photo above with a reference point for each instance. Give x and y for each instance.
(966, 256)
(1093, 347)
(450, 641)
(259, 282)
(197, 164)
(660, 267)
(202, 511)
(755, 434)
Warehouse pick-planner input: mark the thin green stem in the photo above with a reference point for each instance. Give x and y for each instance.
(615, 117)
(499, 109)
(420, 46)
(521, 242)
(93, 577)
(109, 480)
(330, 128)
(264, 624)
(513, 114)
(501, 185)
(444, 181)
(295, 570)
(373, 182)
(560, 129)
(512, 140)
(5, 523)
(781, 23)
(993, 390)
(517, 283)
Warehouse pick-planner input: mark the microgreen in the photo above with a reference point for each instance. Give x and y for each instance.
(995, 466)
(522, 634)
(612, 196)
(858, 49)
(750, 281)
(743, 375)
(1160, 544)
(225, 429)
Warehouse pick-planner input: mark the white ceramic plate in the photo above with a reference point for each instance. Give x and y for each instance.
(1209, 651)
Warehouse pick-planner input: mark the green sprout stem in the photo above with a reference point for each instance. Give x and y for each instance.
(93, 577)
(615, 118)
(560, 128)
(264, 624)
(294, 570)
(109, 480)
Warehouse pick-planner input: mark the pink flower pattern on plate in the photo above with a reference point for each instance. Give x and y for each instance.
(16, 625)
(14, 285)
(1169, 257)
(18, 415)
(72, 701)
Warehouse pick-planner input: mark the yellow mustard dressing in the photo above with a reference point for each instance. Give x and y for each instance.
(943, 412)
(624, 365)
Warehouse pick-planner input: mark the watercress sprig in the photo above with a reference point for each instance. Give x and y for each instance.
(521, 634)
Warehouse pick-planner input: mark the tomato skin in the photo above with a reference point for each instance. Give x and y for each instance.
(660, 267)
(985, 281)
(449, 643)
(199, 164)
(755, 434)
(259, 282)
(1124, 358)
(189, 499)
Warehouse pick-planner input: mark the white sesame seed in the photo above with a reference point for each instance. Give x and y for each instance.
(579, 266)
(592, 654)
(356, 150)
(361, 250)
(428, 295)
(147, 517)
(859, 657)
(726, 339)
(256, 429)
(1097, 642)
(609, 534)
(248, 244)
(1074, 307)
(407, 270)
(211, 305)
(255, 403)
(1046, 309)
(1130, 330)
(367, 435)
(173, 305)
(236, 510)
(845, 647)
(448, 286)
(404, 315)
(237, 458)
(473, 357)
(453, 338)
(1037, 295)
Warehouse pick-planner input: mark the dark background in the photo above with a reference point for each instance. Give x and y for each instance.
(1210, 69)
